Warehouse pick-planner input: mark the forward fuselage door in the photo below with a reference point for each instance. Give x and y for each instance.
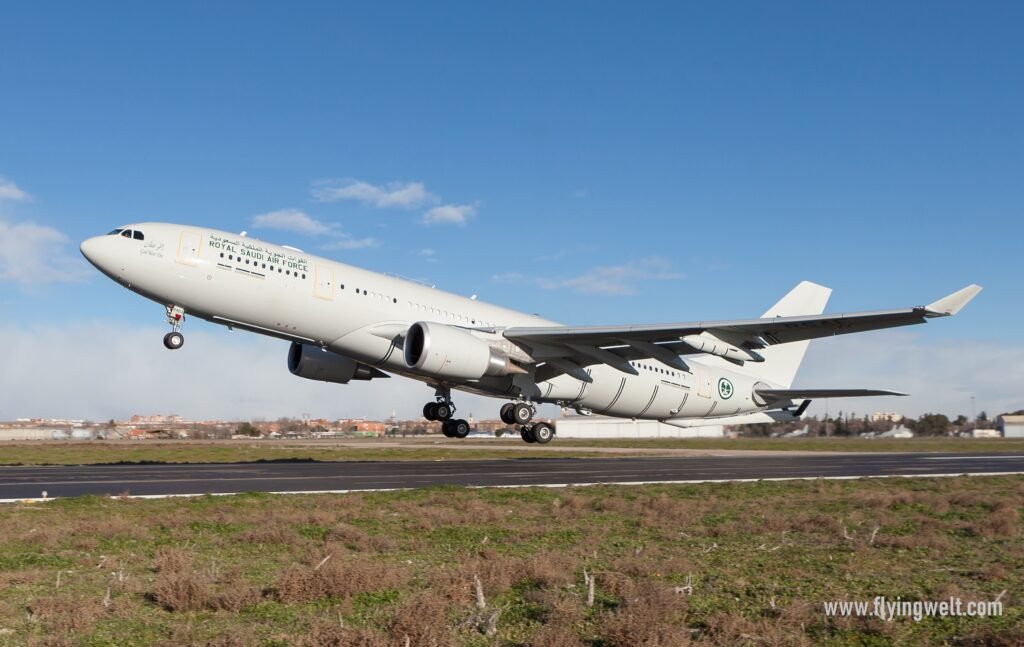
(323, 282)
(188, 247)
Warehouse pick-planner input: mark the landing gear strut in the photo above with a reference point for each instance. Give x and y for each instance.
(443, 410)
(174, 339)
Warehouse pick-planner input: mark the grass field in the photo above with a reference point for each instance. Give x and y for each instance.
(435, 448)
(724, 564)
(94, 452)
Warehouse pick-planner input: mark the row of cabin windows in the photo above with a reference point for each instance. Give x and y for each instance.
(134, 234)
(423, 308)
(341, 286)
(255, 264)
(656, 369)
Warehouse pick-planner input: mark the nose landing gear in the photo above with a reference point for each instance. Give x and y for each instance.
(174, 339)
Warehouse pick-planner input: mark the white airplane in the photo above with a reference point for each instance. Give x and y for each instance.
(347, 323)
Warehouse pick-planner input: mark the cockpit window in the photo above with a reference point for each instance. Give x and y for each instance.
(137, 235)
(115, 232)
(127, 233)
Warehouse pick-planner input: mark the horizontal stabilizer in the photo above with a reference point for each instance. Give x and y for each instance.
(804, 394)
(950, 305)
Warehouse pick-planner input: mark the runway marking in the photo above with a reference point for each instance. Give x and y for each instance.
(543, 485)
(972, 457)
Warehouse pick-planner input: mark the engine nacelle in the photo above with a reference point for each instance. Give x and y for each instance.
(447, 351)
(314, 364)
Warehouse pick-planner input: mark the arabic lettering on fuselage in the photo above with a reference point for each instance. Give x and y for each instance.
(248, 249)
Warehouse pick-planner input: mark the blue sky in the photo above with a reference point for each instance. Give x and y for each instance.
(587, 161)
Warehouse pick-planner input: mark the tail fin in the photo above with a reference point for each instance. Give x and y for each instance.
(782, 361)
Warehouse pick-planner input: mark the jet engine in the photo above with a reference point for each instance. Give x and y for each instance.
(314, 364)
(447, 351)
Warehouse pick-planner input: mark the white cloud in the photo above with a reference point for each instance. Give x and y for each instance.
(32, 254)
(940, 375)
(345, 241)
(509, 277)
(616, 280)
(449, 214)
(12, 192)
(291, 220)
(404, 195)
(427, 252)
(216, 374)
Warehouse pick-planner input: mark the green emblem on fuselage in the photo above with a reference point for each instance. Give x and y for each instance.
(724, 388)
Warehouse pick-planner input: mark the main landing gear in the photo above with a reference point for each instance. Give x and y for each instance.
(174, 339)
(521, 413)
(443, 410)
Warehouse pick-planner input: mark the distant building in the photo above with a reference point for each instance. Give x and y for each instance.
(885, 416)
(601, 427)
(1012, 426)
(985, 433)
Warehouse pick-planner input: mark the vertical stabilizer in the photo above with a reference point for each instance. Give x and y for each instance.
(782, 360)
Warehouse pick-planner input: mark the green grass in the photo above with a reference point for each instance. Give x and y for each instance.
(761, 558)
(100, 452)
(431, 448)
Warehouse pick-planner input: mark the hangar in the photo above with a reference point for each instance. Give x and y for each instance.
(602, 427)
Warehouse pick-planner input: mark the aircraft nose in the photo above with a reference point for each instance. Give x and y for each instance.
(98, 251)
(90, 249)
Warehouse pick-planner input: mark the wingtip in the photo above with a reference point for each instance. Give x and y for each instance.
(953, 303)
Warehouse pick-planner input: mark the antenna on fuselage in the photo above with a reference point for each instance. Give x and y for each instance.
(243, 233)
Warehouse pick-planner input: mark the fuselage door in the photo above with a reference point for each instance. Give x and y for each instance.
(188, 247)
(703, 376)
(323, 283)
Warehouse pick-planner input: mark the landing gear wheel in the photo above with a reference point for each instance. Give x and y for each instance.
(174, 340)
(459, 428)
(430, 411)
(443, 411)
(506, 413)
(542, 433)
(522, 413)
(447, 429)
(526, 433)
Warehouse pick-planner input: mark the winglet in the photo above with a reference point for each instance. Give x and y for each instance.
(950, 305)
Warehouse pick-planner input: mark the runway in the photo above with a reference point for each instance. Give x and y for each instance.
(20, 483)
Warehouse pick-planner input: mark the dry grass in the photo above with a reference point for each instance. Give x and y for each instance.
(672, 565)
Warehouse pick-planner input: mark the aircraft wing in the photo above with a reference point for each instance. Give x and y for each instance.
(569, 349)
(806, 394)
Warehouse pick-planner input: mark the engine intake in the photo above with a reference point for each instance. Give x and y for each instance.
(447, 351)
(314, 364)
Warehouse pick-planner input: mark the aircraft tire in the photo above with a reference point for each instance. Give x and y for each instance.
(521, 413)
(174, 340)
(430, 411)
(505, 413)
(446, 429)
(459, 428)
(526, 433)
(443, 411)
(542, 433)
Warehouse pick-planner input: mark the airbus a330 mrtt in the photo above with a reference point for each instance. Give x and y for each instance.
(346, 323)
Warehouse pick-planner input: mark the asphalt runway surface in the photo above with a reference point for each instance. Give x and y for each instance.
(19, 483)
